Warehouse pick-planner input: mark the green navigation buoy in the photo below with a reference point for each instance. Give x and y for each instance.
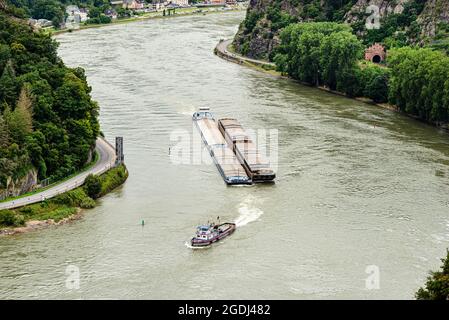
(143, 223)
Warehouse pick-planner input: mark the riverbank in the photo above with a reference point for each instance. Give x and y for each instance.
(62, 209)
(182, 12)
(225, 51)
(87, 167)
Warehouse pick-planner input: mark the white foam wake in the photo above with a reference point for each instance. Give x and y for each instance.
(188, 245)
(248, 212)
(187, 111)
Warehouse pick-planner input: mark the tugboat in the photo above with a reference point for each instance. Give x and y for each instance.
(208, 234)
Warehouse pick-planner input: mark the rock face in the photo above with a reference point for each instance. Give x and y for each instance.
(385, 8)
(16, 187)
(434, 13)
(258, 41)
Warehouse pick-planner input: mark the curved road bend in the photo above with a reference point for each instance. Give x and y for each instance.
(223, 48)
(105, 161)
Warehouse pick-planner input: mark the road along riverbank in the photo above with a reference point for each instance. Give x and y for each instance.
(106, 161)
(224, 50)
(63, 208)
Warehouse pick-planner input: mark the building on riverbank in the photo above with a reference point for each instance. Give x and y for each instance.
(181, 3)
(128, 4)
(111, 13)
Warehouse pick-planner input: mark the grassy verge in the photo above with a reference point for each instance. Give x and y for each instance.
(64, 205)
(87, 167)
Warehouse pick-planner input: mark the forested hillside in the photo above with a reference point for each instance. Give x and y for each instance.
(401, 22)
(48, 122)
(322, 43)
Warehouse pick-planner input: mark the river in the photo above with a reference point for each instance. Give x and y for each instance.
(359, 208)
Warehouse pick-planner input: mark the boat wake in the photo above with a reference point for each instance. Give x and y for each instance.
(187, 111)
(188, 245)
(248, 213)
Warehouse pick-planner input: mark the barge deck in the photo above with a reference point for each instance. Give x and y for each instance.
(257, 166)
(223, 156)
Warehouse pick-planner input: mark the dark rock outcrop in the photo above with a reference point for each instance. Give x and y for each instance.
(19, 186)
(434, 13)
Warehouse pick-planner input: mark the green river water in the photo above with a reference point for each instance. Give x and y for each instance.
(359, 188)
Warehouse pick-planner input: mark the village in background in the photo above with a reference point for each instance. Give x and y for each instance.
(123, 9)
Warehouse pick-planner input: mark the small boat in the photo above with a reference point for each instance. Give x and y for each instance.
(208, 234)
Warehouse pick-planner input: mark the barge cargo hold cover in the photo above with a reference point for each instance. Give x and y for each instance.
(256, 165)
(224, 158)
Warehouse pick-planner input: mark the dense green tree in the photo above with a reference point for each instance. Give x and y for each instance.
(308, 56)
(318, 53)
(419, 82)
(20, 121)
(374, 82)
(350, 82)
(5, 55)
(251, 21)
(416, 80)
(95, 13)
(72, 98)
(92, 185)
(437, 285)
(48, 120)
(377, 88)
(34, 145)
(8, 85)
(4, 134)
(48, 9)
(340, 52)
(105, 19)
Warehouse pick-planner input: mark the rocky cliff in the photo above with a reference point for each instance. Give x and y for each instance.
(401, 21)
(433, 19)
(24, 184)
(385, 8)
(258, 33)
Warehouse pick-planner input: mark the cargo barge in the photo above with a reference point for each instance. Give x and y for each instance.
(256, 165)
(224, 158)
